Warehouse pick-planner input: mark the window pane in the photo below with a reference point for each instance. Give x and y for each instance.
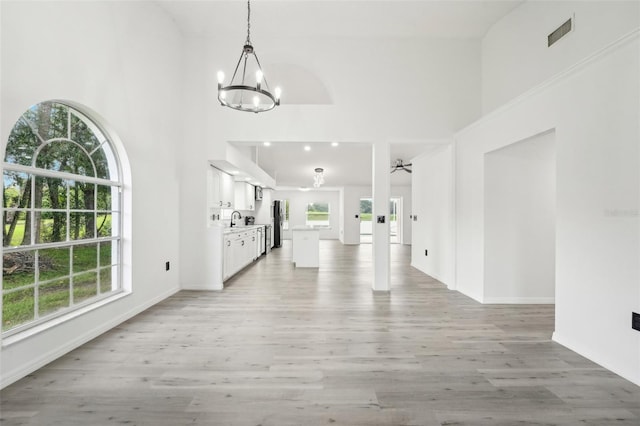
(102, 164)
(17, 190)
(21, 145)
(53, 263)
(17, 308)
(85, 257)
(318, 214)
(105, 193)
(83, 135)
(107, 279)
(85, 286)
(81, 196)
(51, 193)
(65, 156)
(107, 256)
(18, 269)
(14, 227)
(51, 226)
(82, 226)
(53, 296)
(104, 224)
(49, 120)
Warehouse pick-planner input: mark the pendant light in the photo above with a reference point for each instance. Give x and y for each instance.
(239, 94)
(318, 177)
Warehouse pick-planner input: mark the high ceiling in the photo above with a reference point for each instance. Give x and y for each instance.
(339, 18)
(349, 163)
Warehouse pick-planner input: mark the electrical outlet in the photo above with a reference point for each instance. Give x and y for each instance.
(167, 266)
(426, 253)
(635, 321)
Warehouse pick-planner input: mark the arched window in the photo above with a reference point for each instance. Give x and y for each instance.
(62, 202)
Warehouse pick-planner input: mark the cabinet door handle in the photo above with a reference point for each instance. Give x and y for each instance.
(228, 243)
(228, 203)
(242, 242)
(220, 203)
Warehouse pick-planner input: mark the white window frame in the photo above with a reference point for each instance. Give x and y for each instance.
(306, 216)
(116, 210)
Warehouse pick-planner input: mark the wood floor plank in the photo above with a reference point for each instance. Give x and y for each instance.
(286, 346)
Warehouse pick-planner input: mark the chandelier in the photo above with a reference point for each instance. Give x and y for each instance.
(318, 177)
(239, 94)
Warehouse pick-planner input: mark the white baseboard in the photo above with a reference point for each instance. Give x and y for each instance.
(199, 287)
(581, 350)
(41, 361)
(519, 300)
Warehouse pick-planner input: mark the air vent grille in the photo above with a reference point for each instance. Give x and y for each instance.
(560, 32)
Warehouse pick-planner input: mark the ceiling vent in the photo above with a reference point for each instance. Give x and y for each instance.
(560, 32)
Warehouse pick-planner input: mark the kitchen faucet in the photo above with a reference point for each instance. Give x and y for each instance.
(239, 217)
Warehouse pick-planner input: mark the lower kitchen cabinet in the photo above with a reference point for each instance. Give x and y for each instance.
(240, 248)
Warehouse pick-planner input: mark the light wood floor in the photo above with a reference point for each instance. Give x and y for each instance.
(285, 346)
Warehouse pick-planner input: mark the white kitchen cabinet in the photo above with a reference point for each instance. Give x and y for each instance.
(239, 250)
(244, 196)
(220, 189)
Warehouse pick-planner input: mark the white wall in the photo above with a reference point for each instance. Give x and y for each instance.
(121, 60)
(432, 188)
(519, 222)
(298, 201)
(515, 56)
(594, 111)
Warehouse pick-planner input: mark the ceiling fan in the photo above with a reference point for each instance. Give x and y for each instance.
(399, 165)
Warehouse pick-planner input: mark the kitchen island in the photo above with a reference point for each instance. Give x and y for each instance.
(305, 247)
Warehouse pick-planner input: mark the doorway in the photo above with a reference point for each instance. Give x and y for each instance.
(519, 222)
(395, 220)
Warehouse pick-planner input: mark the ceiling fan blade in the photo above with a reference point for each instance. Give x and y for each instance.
(407, 170)
(394, 169)
(407, 165)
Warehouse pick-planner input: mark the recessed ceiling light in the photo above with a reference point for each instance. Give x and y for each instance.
(334, 144)
(267, 144)
(234, 172)
(307, 148)
(303, 188)
(248, 179)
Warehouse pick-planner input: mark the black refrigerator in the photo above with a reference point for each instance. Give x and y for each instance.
(278, 218)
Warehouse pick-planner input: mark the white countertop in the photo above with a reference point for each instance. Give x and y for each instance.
(230, 229)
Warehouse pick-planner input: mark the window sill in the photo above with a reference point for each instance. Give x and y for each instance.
(54, 322)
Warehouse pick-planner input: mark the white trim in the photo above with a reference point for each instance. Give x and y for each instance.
(519, 300)
(59, 351)
(556, 79)
(585, 352)
(199, 287)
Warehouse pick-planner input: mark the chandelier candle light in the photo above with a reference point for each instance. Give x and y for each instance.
(240, 95)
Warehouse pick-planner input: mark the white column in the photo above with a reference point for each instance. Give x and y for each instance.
(381, 194)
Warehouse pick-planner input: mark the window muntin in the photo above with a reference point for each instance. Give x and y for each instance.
(317, 215)
(61, 216)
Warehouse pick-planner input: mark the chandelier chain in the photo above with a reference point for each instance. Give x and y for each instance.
(249, 22)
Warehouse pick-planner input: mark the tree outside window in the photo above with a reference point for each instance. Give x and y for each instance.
(61, 216)
(285, 222)
(317, 215)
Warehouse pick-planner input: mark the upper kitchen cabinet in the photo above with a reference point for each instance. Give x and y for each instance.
(245, 196)
(220, 189)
